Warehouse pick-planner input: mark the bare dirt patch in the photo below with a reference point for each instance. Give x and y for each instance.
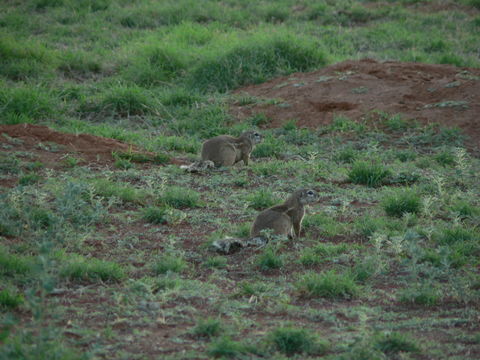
(40, 139)
(442, 94)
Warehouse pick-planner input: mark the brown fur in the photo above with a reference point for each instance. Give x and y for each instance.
(285, 219)
(225, 150)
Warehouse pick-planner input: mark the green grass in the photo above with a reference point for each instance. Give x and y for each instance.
(290, 341)
(257, 59)
(26, 104)
(216, 262)
(224, 347)
(457, 234)
(395, 342)
(321, 253)
(163, 76)
(10, 301)
(121, 101)
(126, 193)
(368, 173)
(11, 264)
(155, 215)
(29, 179)
(269, 259)
(262, 199)
(169, 263)
(427, 296)
(402, 201)
(92, 270)
(329, 284)
(180, 198)
(209, 328)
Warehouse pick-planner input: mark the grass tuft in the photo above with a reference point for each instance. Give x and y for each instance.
(92, 270)
(262, 199)
(169, 263)
(290, 341)
(402, 201)
(368, 173)
(209, 328)
(179, 197)
(269, 259)
(328, 284)
(10, 301)
(11, 264)
(25, 104)
(256, 60)
(395, 342)
(224, 347)
(427, 296)
(155, 215)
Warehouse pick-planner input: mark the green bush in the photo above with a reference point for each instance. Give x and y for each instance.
(225, 347)
(25, 104)
(445, 158)
(328, 284)
(126, 193)
(74, 64)
(217, 262)
(155, 215)
(394, 342)
(155, 64)
(179, 197)
(400, 202)
(92, 270)
(262, 199)
(169, 263)
(464, 209)
(255, 61)
(426, 295)
(368, 173)
(21, 60)
(269, 259)
(10, 301)
(120, 101)
(29, 179)
(178, 143)
(347, 155)
(11, 264)
(209, 327)
(290, 341)
(456, 234)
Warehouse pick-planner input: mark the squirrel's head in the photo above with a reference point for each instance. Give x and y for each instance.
(307, 196)
(254, 136)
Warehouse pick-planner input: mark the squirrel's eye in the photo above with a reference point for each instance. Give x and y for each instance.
(310, 193)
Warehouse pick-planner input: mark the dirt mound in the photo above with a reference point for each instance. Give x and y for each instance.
(51, 146)
(428, 93)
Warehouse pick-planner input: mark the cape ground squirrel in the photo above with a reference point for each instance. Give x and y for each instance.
(225, 150)
(286, 218)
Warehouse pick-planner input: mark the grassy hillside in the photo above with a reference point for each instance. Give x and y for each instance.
(113, 262)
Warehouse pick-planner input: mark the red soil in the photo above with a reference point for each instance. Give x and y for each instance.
(442, 94)
(88, 148)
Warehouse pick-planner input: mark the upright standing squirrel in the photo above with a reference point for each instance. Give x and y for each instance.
(225, 150)
(286, 218)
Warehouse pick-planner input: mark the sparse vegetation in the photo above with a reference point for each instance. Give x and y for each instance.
(104, 250)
